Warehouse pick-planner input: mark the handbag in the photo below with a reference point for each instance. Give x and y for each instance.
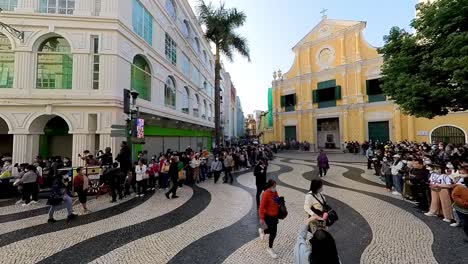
(182, 175)
(332, 215)
(282, 210)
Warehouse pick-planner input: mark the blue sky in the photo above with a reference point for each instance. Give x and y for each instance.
(273, 27)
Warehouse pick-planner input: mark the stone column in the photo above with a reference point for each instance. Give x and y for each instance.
(362, 133)
(109, 8)
(26, 6)
(25, 64)
(345, 126)
(358, 52)
(84, 8)
(25, 147)
(411, 132)
(312, 123)
(343, 51)
(82, 142)
(82, 61)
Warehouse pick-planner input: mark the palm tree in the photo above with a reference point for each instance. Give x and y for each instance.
(221, 24)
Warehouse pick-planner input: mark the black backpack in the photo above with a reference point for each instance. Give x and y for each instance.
(282, 211)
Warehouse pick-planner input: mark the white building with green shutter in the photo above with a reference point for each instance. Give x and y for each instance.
(61, 87)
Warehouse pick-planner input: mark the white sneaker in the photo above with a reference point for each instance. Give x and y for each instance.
(396, 193)
(430, 214)
(272, 253)
(447, 220)
(19, 201)
(25, 204)
(456, 224)
(261, 233)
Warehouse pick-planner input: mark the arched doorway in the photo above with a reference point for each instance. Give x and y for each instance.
(6, 140)
(448, 134)
(55, 140)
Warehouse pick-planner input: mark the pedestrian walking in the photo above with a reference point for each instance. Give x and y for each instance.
(322, 162)
(313, 206)
(260, 179)
(30, 187)
(174, 176)
(268, 214)
(228, 165)
(370, 156)
(216, 168)
(81, 185)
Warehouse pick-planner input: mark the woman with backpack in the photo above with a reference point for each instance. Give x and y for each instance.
(268, 214)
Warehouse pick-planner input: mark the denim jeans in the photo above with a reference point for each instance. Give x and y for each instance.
(67, 202)
(398, 183)
(203, 172)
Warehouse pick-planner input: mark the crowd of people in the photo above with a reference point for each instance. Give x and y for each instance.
(432, 176)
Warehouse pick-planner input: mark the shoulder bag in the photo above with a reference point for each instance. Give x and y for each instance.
(332, 215)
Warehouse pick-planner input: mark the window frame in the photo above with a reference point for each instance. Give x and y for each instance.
(170, 49)
(10, 6)
(46, 6)
(52, 81)
(171, 97)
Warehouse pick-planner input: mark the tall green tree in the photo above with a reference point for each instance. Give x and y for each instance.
(426, 72)
(221, 24)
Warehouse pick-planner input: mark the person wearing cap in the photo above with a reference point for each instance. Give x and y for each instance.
(397, 176)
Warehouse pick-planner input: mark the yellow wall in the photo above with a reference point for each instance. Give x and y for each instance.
(352, 61)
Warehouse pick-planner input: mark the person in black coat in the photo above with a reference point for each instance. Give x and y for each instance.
(125, 158)
(113, 177)
(260, 179)
(174, 176)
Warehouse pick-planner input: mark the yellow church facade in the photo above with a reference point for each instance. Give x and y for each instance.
(332, 95)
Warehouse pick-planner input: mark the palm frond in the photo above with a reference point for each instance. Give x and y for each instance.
(240, 44)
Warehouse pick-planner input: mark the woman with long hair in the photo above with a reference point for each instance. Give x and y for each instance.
(268, 214)
(313, 204)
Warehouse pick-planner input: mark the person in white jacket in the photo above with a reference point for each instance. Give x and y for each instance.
(140, 172)
(313, 206)
(396, 168)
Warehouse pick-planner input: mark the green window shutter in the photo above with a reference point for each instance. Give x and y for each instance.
(314, 96)
(367, 86)
(326, 84)
(295, 99)
(338, 92)
(282, 101)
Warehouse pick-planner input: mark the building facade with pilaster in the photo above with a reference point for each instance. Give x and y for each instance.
(332, 95)
(61, 86)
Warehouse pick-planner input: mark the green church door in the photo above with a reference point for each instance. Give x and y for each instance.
(379, 131)
(290, 133)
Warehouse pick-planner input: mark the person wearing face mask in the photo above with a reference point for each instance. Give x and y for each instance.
(268, 214)
(216, 168)
(397, 175)
(260, 179)
(60, 196)
(313, 206)
(460, 198)
(387, 173)
(440, 185)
